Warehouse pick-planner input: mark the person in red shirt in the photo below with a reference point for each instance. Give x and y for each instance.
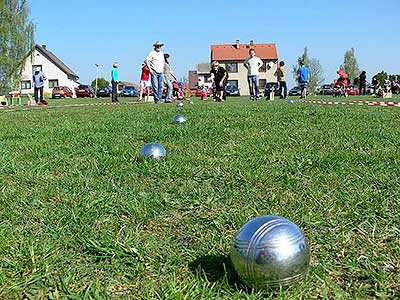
(145, 83)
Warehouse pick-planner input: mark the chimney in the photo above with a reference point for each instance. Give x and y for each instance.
(44, 46)
(237, 44)
(251, 43)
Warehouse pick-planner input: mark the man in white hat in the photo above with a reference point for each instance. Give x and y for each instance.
(155, 62)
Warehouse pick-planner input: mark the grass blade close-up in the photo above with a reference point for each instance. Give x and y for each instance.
(82, 216)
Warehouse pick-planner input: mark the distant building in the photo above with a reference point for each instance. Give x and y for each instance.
(57, 73)
(232, 57)
(200, 76)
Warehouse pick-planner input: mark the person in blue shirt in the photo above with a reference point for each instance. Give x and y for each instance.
(38, 79)
(303, 76)
(114, 82)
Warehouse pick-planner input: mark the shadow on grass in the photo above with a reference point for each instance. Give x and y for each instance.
(216, 268)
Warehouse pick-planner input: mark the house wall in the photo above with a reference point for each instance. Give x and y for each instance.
(241, 75)
(51, 71)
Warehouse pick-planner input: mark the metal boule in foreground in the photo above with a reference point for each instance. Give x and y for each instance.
(180, 119)
(270, 252)
(179, 104)
(153, 151)
(190, 101)
(290, 101)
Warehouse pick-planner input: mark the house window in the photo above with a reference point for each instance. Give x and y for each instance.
(231, 67)
(26, 85)
(35, 67)
(233, 82)
(263, 68)
(53, 83)
(263, 83)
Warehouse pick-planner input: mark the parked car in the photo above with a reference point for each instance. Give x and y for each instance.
(296, 91)
(326, 89)
(84, 91)
(232, 90)
(199, 91)
(129, 91)
(61, 92)
(353, 90)
(268, 88)
(104, 91)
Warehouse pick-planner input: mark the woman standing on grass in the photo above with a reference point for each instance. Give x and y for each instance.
(169, 78)
(220, 76)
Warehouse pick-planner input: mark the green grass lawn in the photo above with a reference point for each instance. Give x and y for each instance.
(82, 217)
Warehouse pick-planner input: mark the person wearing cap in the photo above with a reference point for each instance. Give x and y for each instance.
(155, 62)
(169, 78)
(114, 83)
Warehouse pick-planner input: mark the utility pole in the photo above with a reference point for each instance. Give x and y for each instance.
(97, 75)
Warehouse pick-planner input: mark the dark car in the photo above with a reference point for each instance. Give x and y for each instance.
(296, 91)
(84, 91)
(326, 89)
(269, 87)
(232, 90)
(61, 92)
(103, 91)
(129, 91)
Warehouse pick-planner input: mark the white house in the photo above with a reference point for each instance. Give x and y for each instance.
(57, 73)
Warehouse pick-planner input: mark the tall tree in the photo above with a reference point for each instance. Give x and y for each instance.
(302, 58)
(316, 75)
(16, 41)
(316, 70)
(350, 65)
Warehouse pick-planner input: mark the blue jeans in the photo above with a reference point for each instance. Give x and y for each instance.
(157, 80)
(169, 91)
(254, 86)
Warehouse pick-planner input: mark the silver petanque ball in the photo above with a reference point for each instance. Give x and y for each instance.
(179, 104)
(291, 101)
(153, 151)
(190, 101)
(269, 252)
(180, 119)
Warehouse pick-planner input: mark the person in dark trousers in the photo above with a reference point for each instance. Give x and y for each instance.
(38, 83)
(363, 83)
(220, 76)
(281, 74)
(114, 83)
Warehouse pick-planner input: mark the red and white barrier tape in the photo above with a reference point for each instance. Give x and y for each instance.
(27, 108)
(370, 103)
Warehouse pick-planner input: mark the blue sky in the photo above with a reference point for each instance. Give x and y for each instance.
(83, 33)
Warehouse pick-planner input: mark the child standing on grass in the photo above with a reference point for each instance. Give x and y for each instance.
(144, 82)
(204, 92)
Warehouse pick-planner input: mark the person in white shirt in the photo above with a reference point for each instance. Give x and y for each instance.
(253, 64)
(38, 79)
(155, 62)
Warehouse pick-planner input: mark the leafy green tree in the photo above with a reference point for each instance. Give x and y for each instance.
(315, 67)
(16, 42)
(302, 58)
(350, 65)
(381, 76)
(100, 82)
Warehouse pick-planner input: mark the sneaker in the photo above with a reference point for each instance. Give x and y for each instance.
(43, 103)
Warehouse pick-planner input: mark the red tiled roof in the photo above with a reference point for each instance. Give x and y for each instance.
(230, 52)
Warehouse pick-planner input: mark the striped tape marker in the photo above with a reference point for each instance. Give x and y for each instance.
(370, 103)
(6, 109)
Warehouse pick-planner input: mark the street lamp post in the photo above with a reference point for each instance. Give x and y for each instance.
(97, 75)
